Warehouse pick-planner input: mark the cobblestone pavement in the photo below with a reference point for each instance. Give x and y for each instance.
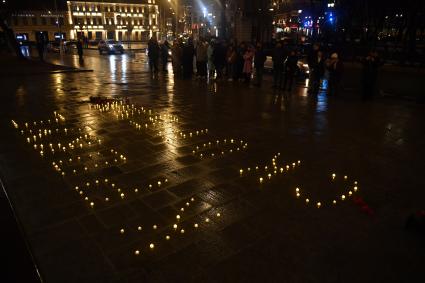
(186, 181)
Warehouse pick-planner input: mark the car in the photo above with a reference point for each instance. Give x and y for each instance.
(110, 46)
(302, 67)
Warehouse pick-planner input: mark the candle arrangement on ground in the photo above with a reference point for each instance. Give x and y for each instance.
(349, 188)
(77, 154)
(219, 148)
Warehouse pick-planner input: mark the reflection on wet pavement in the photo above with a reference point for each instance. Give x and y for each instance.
(166, 179)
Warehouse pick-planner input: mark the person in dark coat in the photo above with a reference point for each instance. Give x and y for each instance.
(201, 59)
(290, 69)
(278, 58)
(219, 59)
(153, 54)
(80, 49)
(239, 62)
(371, 64)
(335, 69)
(259, 60)
(188, 53)
(164, 55)
(317, 70)
(40, 46)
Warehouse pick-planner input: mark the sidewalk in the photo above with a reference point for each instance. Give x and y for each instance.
(14, 66)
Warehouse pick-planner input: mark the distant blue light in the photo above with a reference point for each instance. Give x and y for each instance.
(331, 17)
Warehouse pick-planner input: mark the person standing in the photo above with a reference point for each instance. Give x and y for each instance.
(153, 54)
(259, 60)
(80, 49)
(335, 69)
(290, 69)
(247, 67)
(317, 70)
(278, 58)
(371, 64)
(164, 55)
(188, 53)
(40, 46)
(177, 54)
(311, 61)
(201, 59)
(219, 58)
(239, 62)
(230, 60)
(210, 52)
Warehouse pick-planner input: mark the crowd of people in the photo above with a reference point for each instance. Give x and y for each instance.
(220, 60)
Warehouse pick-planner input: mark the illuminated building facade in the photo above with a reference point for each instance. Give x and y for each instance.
(120, 20)
(28, 25)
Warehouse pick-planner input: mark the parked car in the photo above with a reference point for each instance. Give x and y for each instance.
(110, 46)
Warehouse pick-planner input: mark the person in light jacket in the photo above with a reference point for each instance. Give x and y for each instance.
(247, 67)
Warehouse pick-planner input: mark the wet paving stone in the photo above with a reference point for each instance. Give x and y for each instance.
(166, 202)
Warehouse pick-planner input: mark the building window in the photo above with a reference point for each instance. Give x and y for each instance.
(53, 21)
(43, 21)
(61, 21)
(25, 21)
(34, 21)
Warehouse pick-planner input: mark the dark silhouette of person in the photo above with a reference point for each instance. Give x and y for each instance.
(278, 58)
(371, 64)
(40, 46)
(317, 70)
(335, 69)
(164, 54)
(153, 54)
(290, 69)
(80, 49)
(259, 60)
(188, 54)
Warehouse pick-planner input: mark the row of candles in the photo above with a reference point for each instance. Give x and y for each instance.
(274, 169)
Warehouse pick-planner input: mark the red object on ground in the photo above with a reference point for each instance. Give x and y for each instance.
(363, 206)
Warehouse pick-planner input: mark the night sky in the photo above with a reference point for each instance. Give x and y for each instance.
(36, 4)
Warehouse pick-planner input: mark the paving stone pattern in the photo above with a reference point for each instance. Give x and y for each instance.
(183, 181)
